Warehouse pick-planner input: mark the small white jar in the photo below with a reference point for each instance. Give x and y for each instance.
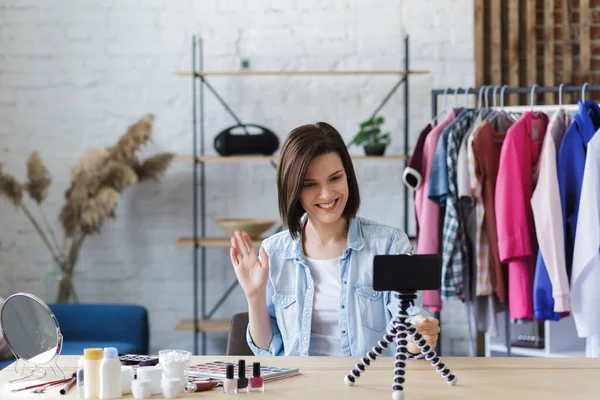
(154, 374)
(126, 379)
(141, 388)
(171, 387)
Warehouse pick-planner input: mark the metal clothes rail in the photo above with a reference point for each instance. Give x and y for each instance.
(483, 93)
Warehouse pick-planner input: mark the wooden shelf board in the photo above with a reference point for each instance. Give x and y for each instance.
(206, 325)
(183, 158)
(290, 73)
(209, 242)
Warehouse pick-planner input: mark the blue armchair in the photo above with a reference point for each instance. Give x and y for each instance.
(123, 326)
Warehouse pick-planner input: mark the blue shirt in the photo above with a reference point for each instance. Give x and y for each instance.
(570, 166)
(438, 176)
(364, 314)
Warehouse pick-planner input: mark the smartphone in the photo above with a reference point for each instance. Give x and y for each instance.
(405, 272)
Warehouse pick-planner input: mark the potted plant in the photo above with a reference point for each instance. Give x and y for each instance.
(97, 182)
(371, 137)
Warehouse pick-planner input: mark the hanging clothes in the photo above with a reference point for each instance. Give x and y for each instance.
(517, 244)
(570, 165)
(427, 212)
(487, 145)
(438, 178)
(551, 285)
(466, 220)
(466, 203)
(483, 285)
(585, 278)
(487, 306)
(454, 250)
(413, 173)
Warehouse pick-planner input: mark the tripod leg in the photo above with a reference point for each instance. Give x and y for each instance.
(401, 350)
(430, 355)
(371, 356)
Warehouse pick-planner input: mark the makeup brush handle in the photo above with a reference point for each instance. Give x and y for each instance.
(68, 386)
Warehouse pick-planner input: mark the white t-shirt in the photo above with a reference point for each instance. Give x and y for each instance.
(325, 336)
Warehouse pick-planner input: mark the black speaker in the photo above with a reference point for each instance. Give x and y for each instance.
(228, 143)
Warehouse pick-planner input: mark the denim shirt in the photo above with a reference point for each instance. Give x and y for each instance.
(364, 314)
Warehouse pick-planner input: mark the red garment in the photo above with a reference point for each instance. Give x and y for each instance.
(517, 243)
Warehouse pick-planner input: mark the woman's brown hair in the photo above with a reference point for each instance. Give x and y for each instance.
(301, 146)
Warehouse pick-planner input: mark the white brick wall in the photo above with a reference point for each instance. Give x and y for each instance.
(74, 74)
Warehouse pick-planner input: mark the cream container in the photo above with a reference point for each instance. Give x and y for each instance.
(141, 388)
(171, 387)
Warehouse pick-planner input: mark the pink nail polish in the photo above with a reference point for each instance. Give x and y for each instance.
(257, 383)
(229, 383)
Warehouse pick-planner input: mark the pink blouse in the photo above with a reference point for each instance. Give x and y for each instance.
(517, 243)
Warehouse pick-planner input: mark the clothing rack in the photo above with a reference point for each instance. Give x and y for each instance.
(504, 89)
(483, 93)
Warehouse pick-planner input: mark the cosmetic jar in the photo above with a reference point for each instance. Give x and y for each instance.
(126, 379)
(141, 388)
(153, 374)
(171, 387)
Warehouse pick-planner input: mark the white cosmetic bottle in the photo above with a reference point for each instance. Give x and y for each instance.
(91, 372)
(110, 374)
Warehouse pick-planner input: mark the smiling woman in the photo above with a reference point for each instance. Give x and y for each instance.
(310, 288)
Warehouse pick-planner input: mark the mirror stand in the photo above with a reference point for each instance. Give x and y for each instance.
(32, 333)
(36, 371)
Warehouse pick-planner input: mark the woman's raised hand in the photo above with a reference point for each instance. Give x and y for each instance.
(252, 272)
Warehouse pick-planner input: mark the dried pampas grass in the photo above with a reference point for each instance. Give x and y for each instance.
(136, 136)
(38, 178)
(153, 167)
(98, 178)
(92, 160)
(96, 209)
(117, 176)
(10, 188)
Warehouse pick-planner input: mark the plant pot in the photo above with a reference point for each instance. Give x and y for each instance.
(375, 150)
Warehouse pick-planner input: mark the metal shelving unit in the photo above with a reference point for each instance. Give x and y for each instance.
(202, 321)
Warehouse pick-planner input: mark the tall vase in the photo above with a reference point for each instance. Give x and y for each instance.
(60, 284)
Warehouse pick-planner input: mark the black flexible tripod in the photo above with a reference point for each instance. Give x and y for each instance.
(401, 330)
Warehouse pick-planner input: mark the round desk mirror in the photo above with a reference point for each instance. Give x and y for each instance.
(30, 330)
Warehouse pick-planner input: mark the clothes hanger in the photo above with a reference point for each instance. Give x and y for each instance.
(467, 91)
(479, 102)
(590, 111)
(456, 91)
(444, 110)
(532, 98)
(494, 112)
(560, 95)
(511, 114)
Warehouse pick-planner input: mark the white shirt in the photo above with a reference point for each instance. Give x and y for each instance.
(547, 211)
(325, 337)
(585, 275)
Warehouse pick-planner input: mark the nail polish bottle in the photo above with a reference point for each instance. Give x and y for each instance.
(257, 383)
(242, 380)
(229, 383)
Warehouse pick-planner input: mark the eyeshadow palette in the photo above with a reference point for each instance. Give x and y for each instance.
(217, 369)
(137, 360)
